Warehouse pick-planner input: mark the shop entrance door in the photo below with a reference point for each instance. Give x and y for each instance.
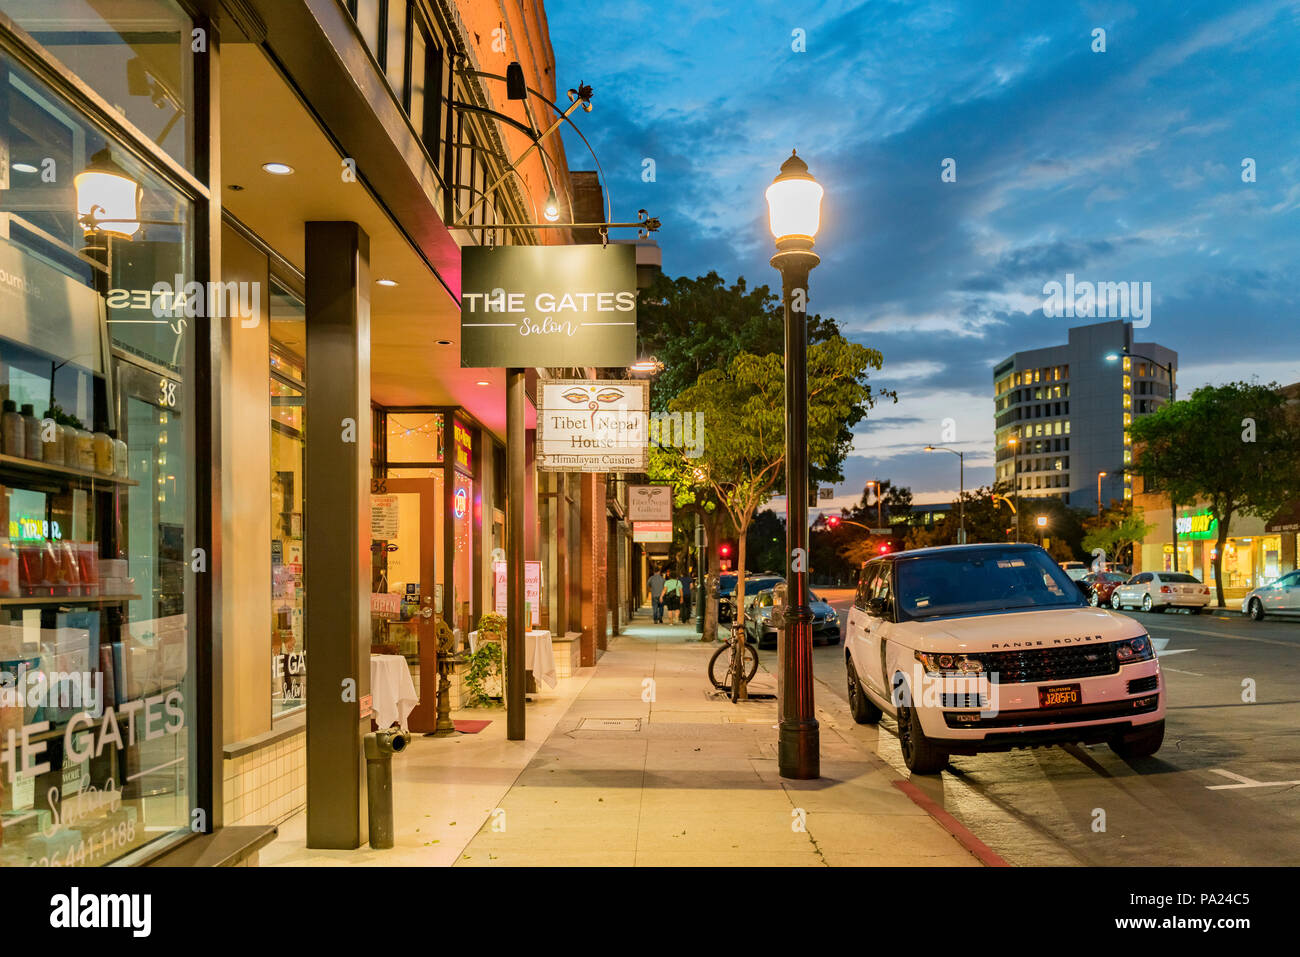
(406, 532)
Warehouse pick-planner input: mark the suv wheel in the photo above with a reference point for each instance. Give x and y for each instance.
(1256, 609)
(920, 754)
(1141, 745)
(864, 712)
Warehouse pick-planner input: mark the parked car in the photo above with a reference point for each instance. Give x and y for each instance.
(991, 647)
(760, 630)
(1076, 570)
(1278, 597)
(1097, 586)
(1156, 591)
(754, 584)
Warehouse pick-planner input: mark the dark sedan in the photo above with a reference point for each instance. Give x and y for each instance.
(1098, 586)
(759, 627)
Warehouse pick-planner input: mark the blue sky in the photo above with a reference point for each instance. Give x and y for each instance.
(1117, 166)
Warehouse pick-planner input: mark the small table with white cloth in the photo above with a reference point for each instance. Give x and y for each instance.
(539, 657)
(392, 691)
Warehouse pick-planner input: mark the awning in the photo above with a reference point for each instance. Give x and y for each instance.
(1287, 518)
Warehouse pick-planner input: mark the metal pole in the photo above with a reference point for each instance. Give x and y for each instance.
(799, 746)
(961, 493)
(1173, 509)
(701, 574)
(515, 625)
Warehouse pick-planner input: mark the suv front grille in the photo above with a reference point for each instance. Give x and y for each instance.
(1051, 664)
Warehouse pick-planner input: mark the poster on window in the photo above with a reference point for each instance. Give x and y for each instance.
(532, 590)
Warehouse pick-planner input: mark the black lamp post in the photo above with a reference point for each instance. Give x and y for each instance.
(794, 213)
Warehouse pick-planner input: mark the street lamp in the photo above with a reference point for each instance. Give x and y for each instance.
(1173, 387)
(875, 487)
(1100, 476)
(1015, 478)
(794, 213)
(961, 504)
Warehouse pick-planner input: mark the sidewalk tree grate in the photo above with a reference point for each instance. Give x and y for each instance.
(610, 724)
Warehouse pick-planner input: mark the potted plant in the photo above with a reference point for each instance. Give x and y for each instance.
(484, 666)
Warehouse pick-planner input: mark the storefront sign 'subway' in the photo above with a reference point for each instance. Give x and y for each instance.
(529, 306)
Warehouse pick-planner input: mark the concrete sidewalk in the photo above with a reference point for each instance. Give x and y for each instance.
(650, 767)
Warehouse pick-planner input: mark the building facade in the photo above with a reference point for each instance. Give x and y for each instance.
(230, 236)
(1062, 413)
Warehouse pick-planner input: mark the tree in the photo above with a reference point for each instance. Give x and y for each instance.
(988, 521)
(743, 459)
(1235, 447)
(1116, 532)
(766, 544)
(694, 325)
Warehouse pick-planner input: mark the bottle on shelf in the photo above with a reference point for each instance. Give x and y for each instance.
(84, 444)
(8, 570)
(55, 451)
(119, 456)
(13, 429)
(32, 430)
(102, 443)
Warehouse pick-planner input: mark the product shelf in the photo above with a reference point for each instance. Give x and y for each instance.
(14, 463)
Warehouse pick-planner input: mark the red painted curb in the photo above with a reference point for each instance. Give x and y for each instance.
(987, 856)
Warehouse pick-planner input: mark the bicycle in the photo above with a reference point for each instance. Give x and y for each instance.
(725, 671)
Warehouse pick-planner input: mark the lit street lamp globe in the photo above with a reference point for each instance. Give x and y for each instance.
(794, 205)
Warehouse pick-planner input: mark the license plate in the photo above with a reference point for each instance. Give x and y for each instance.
(1058, 696)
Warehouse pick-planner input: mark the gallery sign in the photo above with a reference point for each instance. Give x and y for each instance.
(652, 531)
(528, 306)
(650, 503)
(586, 425)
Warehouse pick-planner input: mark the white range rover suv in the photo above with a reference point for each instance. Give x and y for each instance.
(992, 647)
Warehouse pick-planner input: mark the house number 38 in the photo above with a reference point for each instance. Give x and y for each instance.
(167, 393)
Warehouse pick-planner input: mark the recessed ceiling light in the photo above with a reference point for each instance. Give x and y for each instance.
(24, 167)
(483, 382)
(445, 342)
(386, 282)
(279, 169)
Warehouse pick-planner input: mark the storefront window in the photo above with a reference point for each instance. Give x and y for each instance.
(139, 56)
(414, 437)
(288, 451)
(96, 606)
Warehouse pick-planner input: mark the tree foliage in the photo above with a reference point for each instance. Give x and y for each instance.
(1117, 531)
(1235, 447)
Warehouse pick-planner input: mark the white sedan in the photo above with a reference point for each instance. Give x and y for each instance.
(1156, 591)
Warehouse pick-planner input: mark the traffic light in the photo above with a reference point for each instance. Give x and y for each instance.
(833, 521)
(724, 550)
(884, 547)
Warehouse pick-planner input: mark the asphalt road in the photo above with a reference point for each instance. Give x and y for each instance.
(1223, 790)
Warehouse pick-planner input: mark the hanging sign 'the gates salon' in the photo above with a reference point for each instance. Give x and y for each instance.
(592, 425)
(523, 306)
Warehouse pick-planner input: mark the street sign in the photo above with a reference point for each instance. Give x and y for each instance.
(825, 492)
(593, 425)
(531, 306)
(650, 503)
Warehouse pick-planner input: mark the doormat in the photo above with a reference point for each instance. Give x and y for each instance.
(471, 726)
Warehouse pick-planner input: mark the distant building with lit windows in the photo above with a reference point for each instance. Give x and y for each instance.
(1062, 413)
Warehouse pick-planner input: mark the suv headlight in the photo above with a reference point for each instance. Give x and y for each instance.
(949, 664)
(1134, 649)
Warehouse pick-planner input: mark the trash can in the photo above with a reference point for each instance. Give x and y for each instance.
(380, 746)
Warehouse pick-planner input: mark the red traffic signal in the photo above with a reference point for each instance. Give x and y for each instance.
(884, 547)
(833, 521)
(724, 551)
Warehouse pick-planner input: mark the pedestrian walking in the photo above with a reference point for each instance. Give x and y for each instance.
(672, 596)
(686, 596)
(656, 585)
